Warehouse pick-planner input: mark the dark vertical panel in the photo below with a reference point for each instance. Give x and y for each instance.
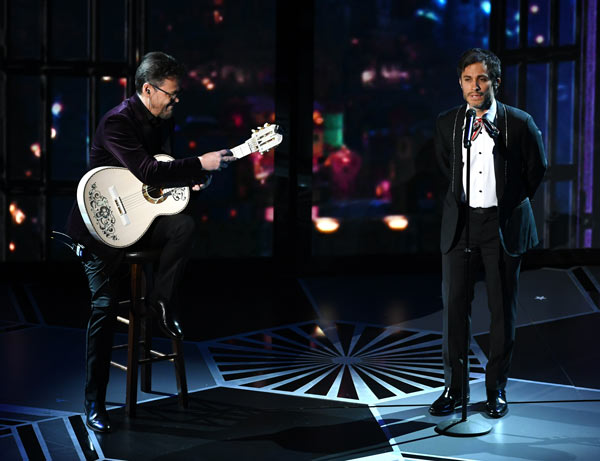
(112, 30)
(561, 214)
(24, 29)
(3, 143)
(538, 33)
(69, 29)
(511, 28)
(3, 122)
(3, 226)
(131, 40)
(564, 138)
(563, 197)
(590, 121)
(69, 139)
(92, 91)
(567, 22)
(24, 128)
(537, 105)
(293, 108)
(549, 129)
(538, 96)
(523, 23)
(510, 84)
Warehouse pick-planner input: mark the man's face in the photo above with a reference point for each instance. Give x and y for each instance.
(162, 98)
(477, 87)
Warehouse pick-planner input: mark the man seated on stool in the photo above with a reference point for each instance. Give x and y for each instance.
(129, 135)
(507, 166)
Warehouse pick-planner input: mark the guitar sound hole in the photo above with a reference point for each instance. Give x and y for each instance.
(153, 194)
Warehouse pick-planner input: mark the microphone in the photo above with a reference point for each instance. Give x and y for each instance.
(469, 128)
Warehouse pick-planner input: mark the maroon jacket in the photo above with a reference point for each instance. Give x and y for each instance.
(129, 135)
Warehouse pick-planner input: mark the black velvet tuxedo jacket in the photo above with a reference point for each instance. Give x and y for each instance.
(519, 166)
(130, 136)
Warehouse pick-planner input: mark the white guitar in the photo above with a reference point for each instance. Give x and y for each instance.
(118, 209)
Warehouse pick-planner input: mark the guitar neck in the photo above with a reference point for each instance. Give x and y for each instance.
(244, 149)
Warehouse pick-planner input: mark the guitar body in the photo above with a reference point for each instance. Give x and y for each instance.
(118, 209)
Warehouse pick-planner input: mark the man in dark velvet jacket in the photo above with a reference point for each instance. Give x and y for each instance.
(507, 166)
(130, 135)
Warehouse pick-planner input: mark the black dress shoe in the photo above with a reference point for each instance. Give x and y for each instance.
(96, 417)
(447, 402)
(496, 405)
(167, 323)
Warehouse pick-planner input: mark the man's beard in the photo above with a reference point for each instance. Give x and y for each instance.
(486, 103)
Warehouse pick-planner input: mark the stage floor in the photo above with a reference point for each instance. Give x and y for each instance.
(347, 375)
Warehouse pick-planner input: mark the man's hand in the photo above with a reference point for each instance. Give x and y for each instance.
(203, 185)
(214, 161)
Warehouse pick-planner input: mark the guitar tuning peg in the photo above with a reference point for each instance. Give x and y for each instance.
(253, 131)
(266, 124)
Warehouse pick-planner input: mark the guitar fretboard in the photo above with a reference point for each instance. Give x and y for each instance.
(244, 149)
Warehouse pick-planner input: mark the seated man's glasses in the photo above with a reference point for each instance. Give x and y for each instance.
(174, 95)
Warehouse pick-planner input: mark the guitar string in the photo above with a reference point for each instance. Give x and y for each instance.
(127, 199)
(131, 199)
(136, 199)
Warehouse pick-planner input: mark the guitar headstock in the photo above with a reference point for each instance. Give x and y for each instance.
(265, 138)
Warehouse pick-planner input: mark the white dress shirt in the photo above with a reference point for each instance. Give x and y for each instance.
(483, 178)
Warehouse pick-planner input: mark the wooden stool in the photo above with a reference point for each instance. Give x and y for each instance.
(140, 338)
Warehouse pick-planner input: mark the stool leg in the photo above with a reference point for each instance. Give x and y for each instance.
(133, 341)
(182, 389)
(146, 378)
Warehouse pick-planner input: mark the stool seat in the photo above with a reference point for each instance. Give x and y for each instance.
(141, 256)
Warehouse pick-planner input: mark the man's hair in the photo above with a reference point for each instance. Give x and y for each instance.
(491, 61)
(155, 67)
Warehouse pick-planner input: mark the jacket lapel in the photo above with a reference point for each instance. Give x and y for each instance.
(457, 161)
(500, 150)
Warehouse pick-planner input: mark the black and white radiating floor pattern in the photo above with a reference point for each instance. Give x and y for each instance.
(352, 382)
(345, 361)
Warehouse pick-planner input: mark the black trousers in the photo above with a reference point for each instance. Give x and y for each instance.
(501, 279)
(174, 234)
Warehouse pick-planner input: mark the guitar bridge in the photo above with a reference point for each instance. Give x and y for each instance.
(112, 190)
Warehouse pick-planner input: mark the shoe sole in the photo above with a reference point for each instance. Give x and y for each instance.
(95, 429)
(446, 413)
(496, 415)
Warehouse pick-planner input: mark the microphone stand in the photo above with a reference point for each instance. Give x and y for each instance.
(463, 427)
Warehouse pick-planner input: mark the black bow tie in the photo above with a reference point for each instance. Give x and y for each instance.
(489, 127)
